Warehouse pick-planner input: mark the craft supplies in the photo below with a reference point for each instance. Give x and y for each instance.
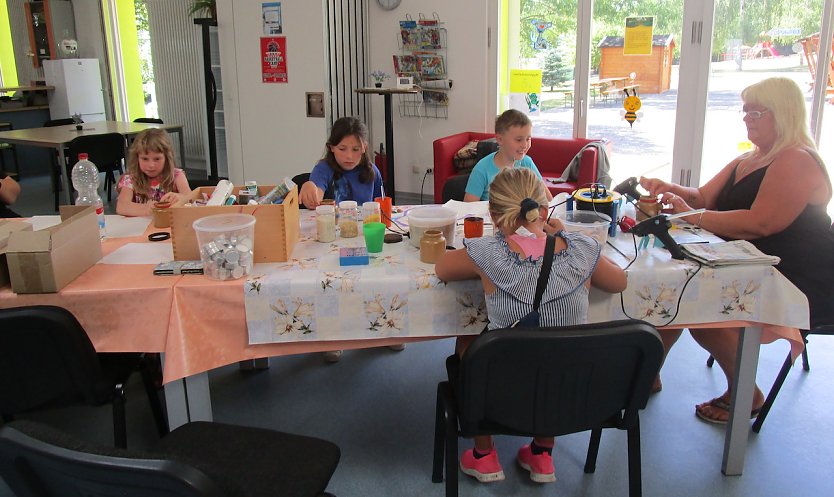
(226, 243)
(348, 219)
(432, 246)
(473, 227)
(429, 217)
(353, 256)
(371, 213)
(325, 223)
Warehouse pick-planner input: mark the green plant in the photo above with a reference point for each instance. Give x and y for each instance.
(207, 8)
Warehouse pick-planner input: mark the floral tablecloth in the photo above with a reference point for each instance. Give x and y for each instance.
(312, 298)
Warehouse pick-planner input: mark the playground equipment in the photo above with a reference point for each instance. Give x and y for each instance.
(811, 47)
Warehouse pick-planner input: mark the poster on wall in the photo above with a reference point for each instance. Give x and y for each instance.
(274, 59)
(525, 88)
(638, 35)
(272, 18)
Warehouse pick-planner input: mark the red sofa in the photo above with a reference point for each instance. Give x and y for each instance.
(551, 155)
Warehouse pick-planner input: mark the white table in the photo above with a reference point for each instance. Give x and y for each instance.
(58, 137)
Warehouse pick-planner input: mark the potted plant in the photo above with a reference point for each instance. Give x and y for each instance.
(378, 77)
(205, 8)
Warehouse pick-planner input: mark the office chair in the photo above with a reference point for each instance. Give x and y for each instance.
(200, 459)
(106, 151)
(47, 360)
(56, 171)
(548, 381)
(455, 188)
(300, 179)
(152, 120)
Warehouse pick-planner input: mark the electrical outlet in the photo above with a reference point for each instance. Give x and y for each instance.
(415, 169)
(429, 171)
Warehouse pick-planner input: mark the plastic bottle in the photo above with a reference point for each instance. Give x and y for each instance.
(85, 182)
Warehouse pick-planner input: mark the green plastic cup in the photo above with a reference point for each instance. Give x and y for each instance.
(374, 234)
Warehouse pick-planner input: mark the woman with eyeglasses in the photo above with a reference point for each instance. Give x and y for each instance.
(775, 196)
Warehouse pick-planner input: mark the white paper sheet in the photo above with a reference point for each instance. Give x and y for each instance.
(140, 253)
(464, 209)
(41, 222)
(120, 226)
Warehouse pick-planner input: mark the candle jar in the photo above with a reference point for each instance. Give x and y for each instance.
(647, 206)
(432, 246)
(348, 219)
(371, 213)
(325, 223)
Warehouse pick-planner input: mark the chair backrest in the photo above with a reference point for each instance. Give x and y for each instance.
(106, 150)
(36, 460)
(554, 381)
(46, 359)
(151, 120)
(59, 122)
(455, 188)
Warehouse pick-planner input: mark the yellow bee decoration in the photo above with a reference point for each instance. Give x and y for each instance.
(631, 104)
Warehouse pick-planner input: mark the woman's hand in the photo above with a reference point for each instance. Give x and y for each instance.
(675, 202)
(310, 195)
(655, 186)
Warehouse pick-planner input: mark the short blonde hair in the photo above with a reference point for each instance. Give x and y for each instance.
(506, 193)
(510, 118)
(783, 98)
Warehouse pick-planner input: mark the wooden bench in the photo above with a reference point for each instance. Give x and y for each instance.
(617, 91)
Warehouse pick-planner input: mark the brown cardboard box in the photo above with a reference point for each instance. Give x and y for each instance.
(8, 227)
(276, 228)
(44, 261)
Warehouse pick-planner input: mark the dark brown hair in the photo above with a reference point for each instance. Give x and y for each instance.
(342, 128)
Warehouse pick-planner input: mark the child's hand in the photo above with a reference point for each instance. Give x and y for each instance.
(554, 226)
(309, 195)
(172, 197)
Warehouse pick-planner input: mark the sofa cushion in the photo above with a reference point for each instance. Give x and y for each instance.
(466, 158)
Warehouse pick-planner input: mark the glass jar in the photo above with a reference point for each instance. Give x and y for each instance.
(371, 213)
(647, 207)
(348, 219)
(325, 223)
(432, 246)
(330, 201)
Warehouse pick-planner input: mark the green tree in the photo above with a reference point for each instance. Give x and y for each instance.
(554, 70)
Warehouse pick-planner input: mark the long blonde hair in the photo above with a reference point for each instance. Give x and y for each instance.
(783, 98)
(151, 141)
(508, 191)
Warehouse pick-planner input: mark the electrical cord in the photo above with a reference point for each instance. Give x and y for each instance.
(423, 184)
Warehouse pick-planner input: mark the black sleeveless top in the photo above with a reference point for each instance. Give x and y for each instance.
(805, 247)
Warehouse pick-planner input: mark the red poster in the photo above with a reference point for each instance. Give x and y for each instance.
(274, 59)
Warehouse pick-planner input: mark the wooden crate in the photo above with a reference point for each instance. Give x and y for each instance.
(276, 228)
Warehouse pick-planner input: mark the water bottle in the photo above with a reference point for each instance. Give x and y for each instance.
(85, 182)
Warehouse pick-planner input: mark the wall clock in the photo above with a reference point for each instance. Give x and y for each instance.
(389, 4)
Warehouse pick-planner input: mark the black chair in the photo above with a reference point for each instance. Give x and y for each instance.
(150, 120)
(56, 168)
(106, 151)
(199, 459)
(455, 188)
(47, 360)
(8, 147)
(300, 179)
(548, 381)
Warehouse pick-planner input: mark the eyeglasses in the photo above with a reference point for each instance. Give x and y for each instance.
(754, 114)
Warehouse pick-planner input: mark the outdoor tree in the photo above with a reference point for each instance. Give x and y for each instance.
(554, 70)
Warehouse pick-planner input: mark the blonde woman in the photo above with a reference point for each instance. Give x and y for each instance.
(776, 197)
(508, 265)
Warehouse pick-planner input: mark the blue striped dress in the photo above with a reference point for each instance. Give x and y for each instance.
(565, 300)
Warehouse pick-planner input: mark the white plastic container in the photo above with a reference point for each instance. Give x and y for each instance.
(430, 217)
(227, 245)
(593, 224)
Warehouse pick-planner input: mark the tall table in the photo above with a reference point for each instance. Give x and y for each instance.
(389, 131)
(58, 137)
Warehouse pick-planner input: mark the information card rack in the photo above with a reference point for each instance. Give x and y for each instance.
(423, 57)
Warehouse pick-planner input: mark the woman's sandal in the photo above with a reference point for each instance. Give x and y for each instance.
(719, 403)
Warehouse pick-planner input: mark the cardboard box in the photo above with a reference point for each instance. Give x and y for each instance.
(44, 261)
(8, 227)
(276, 228)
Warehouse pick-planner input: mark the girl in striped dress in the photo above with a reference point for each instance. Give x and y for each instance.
(508, 265)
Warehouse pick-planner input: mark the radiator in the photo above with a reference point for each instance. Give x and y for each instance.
(346, 23)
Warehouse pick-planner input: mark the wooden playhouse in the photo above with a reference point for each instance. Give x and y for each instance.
(654, 72)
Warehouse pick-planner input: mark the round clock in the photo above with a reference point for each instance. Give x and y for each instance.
(389, 4)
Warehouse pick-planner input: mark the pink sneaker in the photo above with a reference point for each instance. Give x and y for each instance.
(540, 466)
(485, 469)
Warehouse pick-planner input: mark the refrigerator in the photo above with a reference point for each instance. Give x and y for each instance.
(77, 90)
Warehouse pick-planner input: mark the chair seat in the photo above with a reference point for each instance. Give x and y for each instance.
(297, 465)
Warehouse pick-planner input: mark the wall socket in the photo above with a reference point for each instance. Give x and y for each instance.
(417, 169)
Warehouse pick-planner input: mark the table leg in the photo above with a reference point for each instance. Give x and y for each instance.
(741, 399)
(188, 399)
(389, 147)
(62, 164)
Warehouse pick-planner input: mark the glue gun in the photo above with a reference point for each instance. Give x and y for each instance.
(659, 227)
(629, 189)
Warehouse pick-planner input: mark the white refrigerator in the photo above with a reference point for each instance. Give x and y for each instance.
(77, 90)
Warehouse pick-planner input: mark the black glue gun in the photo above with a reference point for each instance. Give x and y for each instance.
(659, 227)
(629, 189)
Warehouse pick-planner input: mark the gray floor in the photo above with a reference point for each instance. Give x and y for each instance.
(378, 406)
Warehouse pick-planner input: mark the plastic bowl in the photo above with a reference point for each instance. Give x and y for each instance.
(431, 217)
(227, 245)
(593, 224)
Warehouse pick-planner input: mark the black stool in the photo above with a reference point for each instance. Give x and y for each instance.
(8, 147)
